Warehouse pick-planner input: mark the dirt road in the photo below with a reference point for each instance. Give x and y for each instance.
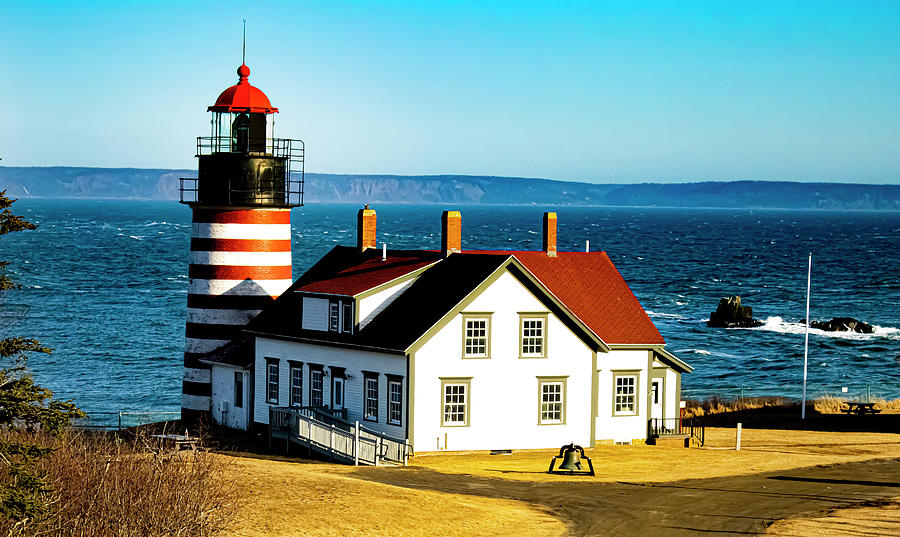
(739, 505)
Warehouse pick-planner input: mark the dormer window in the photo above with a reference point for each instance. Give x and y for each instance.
(340, 316)
(328, 314)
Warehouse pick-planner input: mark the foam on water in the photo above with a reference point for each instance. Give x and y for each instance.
(779, 325)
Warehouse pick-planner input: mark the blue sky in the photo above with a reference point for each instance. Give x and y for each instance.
(594, 91)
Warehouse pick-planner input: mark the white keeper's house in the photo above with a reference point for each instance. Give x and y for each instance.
(455, 350)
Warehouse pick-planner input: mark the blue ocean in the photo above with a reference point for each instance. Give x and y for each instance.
(104, 283)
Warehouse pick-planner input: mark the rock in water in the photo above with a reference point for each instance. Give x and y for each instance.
(843, 324)
(731, 314)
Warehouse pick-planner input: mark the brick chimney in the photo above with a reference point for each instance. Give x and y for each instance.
(550, 234)
(451, 232)
(365, 228)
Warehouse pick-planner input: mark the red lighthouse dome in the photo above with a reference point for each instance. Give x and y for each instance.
(242, 97)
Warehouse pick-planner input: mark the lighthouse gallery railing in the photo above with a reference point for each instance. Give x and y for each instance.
(292, 152)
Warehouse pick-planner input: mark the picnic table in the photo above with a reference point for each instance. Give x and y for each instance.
(178, 441)
(859, 408)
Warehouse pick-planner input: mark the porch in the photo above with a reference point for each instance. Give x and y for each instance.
(675, 431)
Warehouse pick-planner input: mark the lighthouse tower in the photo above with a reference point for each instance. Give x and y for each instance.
(247, 183)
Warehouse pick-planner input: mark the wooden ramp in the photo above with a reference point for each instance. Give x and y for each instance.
(341, 441)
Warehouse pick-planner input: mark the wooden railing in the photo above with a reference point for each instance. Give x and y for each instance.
(342, 440)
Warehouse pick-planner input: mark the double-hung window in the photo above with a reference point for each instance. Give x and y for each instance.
(272, 381)
(532, 335)
(340, 316)
(334, 316)
(395, 400)
(625, 402)
(296, 384)
(476, 335)
(552, 397)
(370, 397)
(316, 386)
(455, 401)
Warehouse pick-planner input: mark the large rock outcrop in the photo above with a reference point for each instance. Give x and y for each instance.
(731, 314)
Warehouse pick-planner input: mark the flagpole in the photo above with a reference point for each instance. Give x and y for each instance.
(806, 342)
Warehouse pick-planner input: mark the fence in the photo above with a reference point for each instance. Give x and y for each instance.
(320, 430)
(121, 420)
(788, 391)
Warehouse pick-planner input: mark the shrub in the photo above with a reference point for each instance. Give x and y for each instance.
(100, 485)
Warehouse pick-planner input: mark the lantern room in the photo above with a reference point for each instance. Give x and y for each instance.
(242, 163)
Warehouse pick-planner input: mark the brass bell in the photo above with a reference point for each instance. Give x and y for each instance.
(571, 459)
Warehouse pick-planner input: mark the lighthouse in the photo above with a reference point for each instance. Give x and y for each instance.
(240, 257)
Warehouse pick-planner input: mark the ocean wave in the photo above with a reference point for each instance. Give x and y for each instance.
(777, 324)
(664, 315)
(693, 351)
(137, 237)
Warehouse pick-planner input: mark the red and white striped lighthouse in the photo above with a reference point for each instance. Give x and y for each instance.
(247, 183)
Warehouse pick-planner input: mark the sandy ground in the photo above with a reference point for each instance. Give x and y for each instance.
(812, 481)
(883, 518)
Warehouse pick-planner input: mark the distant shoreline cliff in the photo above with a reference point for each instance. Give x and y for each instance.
(162, 184)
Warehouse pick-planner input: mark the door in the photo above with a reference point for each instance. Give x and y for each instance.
(656, 410)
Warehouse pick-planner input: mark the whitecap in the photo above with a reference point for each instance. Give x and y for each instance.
(664, 315)
(680, 303)
(137, 237)
(777, 324)
(694, 351)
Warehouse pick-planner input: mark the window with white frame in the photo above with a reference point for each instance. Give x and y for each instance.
(272, 381)
(370, 395)
(316, 387)
(296, 384)
(455, 394)
(340, 316)
(625, 402)
(532, 335)
(395, 401)
(552, 393)
(334, 316)
(476, 336)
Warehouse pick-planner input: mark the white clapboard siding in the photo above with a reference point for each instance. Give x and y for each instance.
(504, 398)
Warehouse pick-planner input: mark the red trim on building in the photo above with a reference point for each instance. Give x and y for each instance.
(248, 216)
(238, 272)
(239, 245)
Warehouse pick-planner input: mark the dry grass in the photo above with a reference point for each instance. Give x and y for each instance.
(832, 404)
(719, 405)
(300, 498)
(102, 486)
(762, 450)
(297, 498)
(825, 404)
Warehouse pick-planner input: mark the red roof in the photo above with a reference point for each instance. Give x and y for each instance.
(242, 97)
(368, 274)
(590, 286)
